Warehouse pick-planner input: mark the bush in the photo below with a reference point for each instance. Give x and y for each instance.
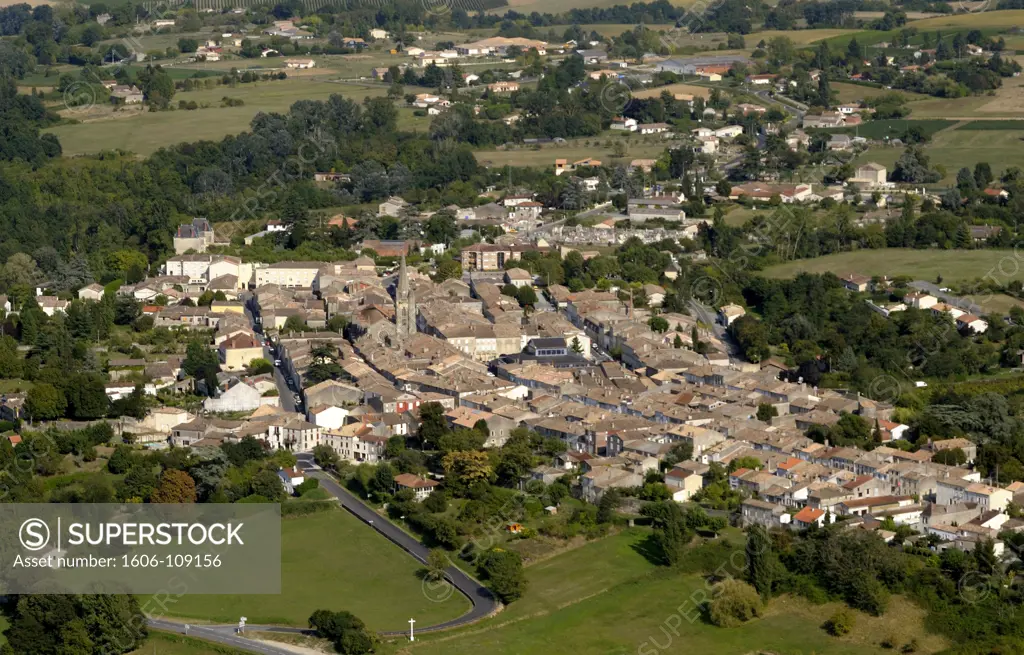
(841, 623)
(436, 502)
(306, 507)
(503, 569)
(736, 602)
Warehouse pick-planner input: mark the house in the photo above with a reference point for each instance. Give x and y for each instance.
(328, 417)
(518, 278)
(624, 124)
(52, 305)
(239, 397)
(870, 174)
(683, 484)
(855, 282)
(89, 292)
(503, 87)
(377, 33)
(655, 294)
(729, 131)
(759, 512)
(840, 142)
(764, 79)
(810, 516)
(729, 313)
(653, 128)
(126, 95)
(707, 145)
(299, 63)
(972, 323)
(238, 351)
(764, 192)
(421, 487)
(291, 478)
(919, 300)
(289, 274)
(982, 233)
(194, 236)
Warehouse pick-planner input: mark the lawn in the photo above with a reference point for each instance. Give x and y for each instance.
(952, 265)
(637, 148)
(606, 597)
(332, 561)
(855, 92)
(954, 149)
(144, 132)
(162, 643)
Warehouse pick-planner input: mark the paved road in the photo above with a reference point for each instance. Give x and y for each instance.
(483, 602)
(284, 392)
(221, 634)
(963, 303)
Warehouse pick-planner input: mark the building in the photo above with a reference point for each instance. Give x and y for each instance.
(194, 236)
(238, 351)
(89, 292)
(870, 174)
(729, 313)
(126, 95)
(289, 274)
(855, 282)
(503, 87)
(421, 487)
(764, 192)
(518, 278)
(299, 63)
(490, 256)
(405, 305)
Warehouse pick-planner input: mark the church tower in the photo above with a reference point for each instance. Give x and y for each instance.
(405, 305)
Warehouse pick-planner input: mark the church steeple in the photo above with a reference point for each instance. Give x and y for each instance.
(405, 305)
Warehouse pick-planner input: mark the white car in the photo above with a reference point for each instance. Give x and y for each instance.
(277, 362)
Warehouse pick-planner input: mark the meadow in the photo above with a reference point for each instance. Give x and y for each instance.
(144, 132)
(545, 156)
(607, 597)
(952, 265)
(855, 92)
(955, 148)
(332, 561)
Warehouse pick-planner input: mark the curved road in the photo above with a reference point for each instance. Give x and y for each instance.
(484, 603)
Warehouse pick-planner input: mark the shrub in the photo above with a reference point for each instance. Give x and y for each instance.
(735, 602)
(841, 623)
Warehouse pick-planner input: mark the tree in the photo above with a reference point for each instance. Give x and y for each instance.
(762, 565)
(679, 452)
(503, 571)
(176, 487)
(267, 484)
(202, 363)
(448, 269)
(325, 457)
(432, 424)
(295, 323)
(670, 531)
(45, 402)
(437, 562)
(840, 623)
(349, 634)
(950, 457)
(464, 468)
(658, 324)
(608, 504)
(766, 412)
(735, 602)
(576, 346)
(526, 296)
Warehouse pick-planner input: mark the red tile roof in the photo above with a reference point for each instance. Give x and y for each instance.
(808, 515)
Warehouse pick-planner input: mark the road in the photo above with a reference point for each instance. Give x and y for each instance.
(221, 634)
(284, 391)
(956, 301)
(483, 602)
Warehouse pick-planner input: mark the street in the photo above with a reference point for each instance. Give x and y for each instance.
(284, 391)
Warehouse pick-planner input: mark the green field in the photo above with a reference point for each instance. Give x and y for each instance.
(955, 148)
(162, 643)
(637, 148)
(894, 128)
(143, 132)
(952, 265)
(854, 92)
(606, 597)
(332, 561)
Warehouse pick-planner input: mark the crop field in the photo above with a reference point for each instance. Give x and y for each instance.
(144, 132)
(692, 89)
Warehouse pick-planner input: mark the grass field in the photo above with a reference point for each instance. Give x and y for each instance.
(573, 151)
(952, 265)
(895, 128)
(332, 561)
(606, 597)
(854, 92)
(1006, 102)
(956, 148)
(799, 37)
(162, 643)
(561, 6)
(144, 132)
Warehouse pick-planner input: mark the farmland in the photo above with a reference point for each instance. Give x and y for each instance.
(854, 92)
(332, 560)
(606, 597)
(573, 151)
(952, 265)
(692, 89)
(144, 132)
